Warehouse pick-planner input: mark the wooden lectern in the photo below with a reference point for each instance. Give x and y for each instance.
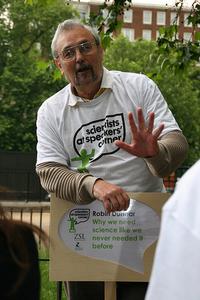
(64, 262)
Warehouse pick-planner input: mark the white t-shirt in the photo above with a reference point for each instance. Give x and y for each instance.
(176, 269)
(80, 134)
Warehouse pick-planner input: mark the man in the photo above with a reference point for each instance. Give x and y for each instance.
(176, 269)
(103, 135)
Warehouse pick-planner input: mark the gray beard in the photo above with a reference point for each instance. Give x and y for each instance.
(90, 74)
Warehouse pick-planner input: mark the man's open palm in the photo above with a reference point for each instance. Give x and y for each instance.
(144, 141)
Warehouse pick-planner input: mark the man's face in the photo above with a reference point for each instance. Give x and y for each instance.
(83, 68)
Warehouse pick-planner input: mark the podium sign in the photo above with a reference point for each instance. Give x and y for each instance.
(88, 244)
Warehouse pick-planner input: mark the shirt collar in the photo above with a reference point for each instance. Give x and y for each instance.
(107, 80)
(106, 83)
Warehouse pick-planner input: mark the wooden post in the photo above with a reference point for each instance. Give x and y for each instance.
(110, 290)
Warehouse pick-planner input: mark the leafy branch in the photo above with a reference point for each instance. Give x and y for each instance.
(179, 53)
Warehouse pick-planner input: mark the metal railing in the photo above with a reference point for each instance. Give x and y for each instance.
(21, 185)
(37, 213)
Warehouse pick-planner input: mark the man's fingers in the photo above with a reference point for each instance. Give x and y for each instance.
(124, 146)
(107, 205)
(141, 123)
(151, 122)
(117, 203)
(123, 201)
(157, 131)
(132, 123)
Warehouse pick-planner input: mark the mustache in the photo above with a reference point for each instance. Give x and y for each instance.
(83, 67)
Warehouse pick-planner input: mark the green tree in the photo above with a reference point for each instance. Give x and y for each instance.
(129, 56)
(179, 53)
(27, 75)
(180, 91)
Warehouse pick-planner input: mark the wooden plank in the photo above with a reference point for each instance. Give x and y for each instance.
(110, 292)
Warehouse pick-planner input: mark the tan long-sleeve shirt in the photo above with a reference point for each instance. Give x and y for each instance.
(78, 187)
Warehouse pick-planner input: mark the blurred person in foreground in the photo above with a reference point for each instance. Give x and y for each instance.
(176, 269)
(104, 134)
(19, 265)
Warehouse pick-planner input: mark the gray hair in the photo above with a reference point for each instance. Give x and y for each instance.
(68, 25)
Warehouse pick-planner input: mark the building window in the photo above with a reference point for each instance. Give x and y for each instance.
(82, 15)
(128, 16)
(147, 16)
(173, 16)
(161, 18)
(186, 15)
(129, 33)
(146, 34)
(187, 36)
(82, 9)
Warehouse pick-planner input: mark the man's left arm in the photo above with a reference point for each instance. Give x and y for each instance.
(173, 148)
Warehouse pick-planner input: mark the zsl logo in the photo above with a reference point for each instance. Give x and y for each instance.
(79, 237)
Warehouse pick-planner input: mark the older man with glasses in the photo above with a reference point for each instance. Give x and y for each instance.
(104, 134)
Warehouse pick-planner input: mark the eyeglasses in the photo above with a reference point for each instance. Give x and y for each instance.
(69, 53)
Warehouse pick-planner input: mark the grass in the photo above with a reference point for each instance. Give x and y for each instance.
(48, 288)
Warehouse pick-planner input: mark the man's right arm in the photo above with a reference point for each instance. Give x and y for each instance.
(66, 184)
(81, 188)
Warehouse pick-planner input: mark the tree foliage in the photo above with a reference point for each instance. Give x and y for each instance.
(111, 21)
(26, 75)
(179, 53)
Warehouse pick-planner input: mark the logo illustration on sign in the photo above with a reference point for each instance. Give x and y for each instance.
(120, 237)
(76, 216)
(78, 247)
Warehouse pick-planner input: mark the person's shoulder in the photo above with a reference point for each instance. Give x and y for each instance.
(123, 74)
(130, 77)
(56, 101)
(58, 97)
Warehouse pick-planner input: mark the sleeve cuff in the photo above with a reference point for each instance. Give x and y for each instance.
(86, 192)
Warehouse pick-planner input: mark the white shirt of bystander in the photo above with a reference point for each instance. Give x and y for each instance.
(176, 268)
